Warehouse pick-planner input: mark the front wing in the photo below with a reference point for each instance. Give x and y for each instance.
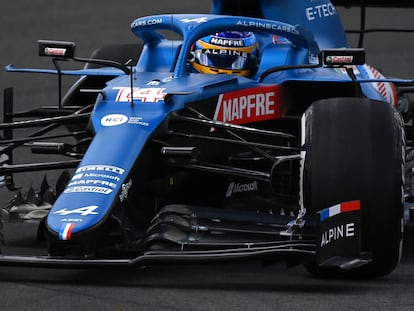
(331, 240)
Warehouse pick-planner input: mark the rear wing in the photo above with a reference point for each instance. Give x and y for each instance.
(375, 3)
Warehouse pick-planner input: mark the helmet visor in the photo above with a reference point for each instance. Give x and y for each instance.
(221, 58)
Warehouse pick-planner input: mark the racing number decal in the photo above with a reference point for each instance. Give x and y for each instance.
(146, 95)
(248, 105)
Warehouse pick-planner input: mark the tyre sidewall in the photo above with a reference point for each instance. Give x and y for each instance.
(354, 151)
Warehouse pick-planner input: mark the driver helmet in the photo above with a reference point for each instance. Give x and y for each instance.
(229, 52)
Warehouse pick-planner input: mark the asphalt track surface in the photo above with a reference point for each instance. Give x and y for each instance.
(240, 286)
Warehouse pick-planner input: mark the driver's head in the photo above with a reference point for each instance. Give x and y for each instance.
(230, 52)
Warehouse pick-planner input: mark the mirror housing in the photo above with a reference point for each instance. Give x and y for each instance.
(342, 57)
(57, 49)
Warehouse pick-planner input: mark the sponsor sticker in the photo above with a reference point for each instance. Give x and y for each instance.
(339, 59)
(198, 20)
(280, 40)
(137, 121)
(146, 22)
(98, 178)
(240, 188)
(227, 42)
(99, 182)
(101, 168)
(320, 11)
(92, 189)
(266, 25)
(248, 105)
(55, 51)
(125, 190)
(114, 120)
(339, 229)
(224, 52)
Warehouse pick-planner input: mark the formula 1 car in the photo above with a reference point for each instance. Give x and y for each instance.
(303, 161)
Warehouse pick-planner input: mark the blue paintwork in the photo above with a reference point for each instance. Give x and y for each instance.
(317, 16)
(82, 72)
(192, 27)
(104, 152)
(102, 179)
(115, 148)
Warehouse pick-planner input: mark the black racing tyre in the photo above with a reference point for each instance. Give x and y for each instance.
(355, 151)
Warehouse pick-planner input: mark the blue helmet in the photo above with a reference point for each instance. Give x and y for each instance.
(230, 52)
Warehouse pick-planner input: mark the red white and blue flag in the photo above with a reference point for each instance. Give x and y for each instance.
(339, 209)
(66, 231)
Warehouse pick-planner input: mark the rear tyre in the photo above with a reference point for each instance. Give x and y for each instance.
(355, 151)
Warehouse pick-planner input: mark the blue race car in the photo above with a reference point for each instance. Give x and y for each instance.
(254, 132)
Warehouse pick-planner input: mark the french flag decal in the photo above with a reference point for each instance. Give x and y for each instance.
(65, 232)
(339, 209)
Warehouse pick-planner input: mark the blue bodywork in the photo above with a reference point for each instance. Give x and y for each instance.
(132, 112)
(163, 82)
(319, 17)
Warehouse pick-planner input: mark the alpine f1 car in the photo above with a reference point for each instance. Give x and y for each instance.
(258, 133)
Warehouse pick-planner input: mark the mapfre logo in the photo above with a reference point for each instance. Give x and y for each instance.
(249, 105)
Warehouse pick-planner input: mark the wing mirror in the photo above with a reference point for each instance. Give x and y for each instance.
(57, 49)
(342, 57)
